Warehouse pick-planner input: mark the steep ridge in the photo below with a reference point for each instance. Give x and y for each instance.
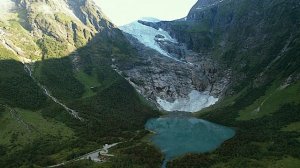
(47, 24)
(69, 45)
(69, 22)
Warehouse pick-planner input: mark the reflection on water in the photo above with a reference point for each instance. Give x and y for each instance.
(176, 136)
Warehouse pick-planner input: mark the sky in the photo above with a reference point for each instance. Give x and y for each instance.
(122, 12)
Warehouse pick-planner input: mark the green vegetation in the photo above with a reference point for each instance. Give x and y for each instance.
(287, 162)
(19, 127)
(271, 101)
(63, 18)
(293, 127)
(112, 109)
(57, 75)
(114, 113)
(258, 143)
(263, 101)
(52, 48)
(6, 54)
(90, 82)
(20, 37)
(17, 88)
(132, 153)
(78, 36)
(138, 155)
(84, 163)
(258, 40)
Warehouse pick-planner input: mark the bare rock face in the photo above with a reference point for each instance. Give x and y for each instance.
(176, 50)
(173, 77)
(62, 24)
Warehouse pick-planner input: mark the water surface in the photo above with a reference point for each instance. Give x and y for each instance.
(176, 136)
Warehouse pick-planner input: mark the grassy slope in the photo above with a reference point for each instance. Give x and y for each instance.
(90, 83)
(274, 98)
(6, 54)
(23, 126)
(113, 112)
(19, 36)
(17, 88)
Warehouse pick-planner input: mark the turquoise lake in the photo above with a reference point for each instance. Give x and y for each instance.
(176, 136)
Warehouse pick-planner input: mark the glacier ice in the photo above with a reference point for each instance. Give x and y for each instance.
(146, 35)
(193, 103)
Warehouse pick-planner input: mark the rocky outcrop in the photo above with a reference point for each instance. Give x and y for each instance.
(175, 76)
(90, 14)
(57, 27)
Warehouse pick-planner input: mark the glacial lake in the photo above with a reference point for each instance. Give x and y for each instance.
(176, 136)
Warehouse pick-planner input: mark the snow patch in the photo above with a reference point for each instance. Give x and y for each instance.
(193, 103)
(147, 35)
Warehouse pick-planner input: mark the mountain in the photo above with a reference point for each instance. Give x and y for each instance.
(59, 96)
(258, 42)
(211, 28)
(169, 74)
(254, 49)
(71, 81)
(55, 25)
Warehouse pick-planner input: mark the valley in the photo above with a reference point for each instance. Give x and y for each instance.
(173, 77)
(217, 88)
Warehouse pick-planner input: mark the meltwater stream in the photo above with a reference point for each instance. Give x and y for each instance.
(177, 135)
(72, 112)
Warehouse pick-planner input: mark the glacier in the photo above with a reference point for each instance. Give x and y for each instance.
(151, 37)
(147, 35)
(195, 101)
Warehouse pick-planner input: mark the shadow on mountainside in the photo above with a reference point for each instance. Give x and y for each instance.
(84, 80)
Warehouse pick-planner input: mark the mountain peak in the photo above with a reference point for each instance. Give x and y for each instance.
(68, 23)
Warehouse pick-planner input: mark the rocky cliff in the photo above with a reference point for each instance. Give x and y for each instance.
(53, 28)
(168, 73)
